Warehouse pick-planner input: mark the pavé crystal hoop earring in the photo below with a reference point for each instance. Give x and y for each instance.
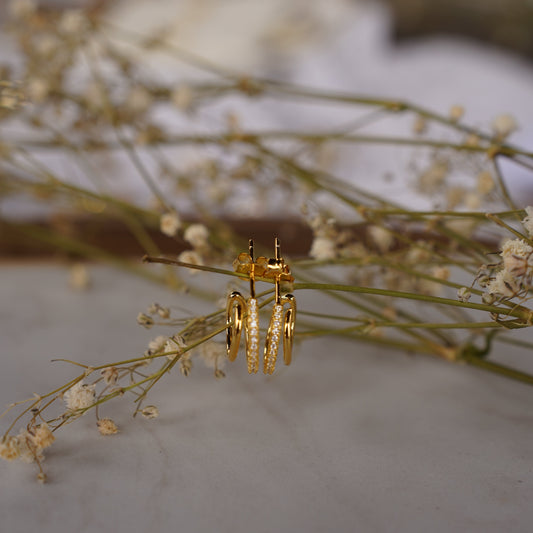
(241, 313)
(281, 321)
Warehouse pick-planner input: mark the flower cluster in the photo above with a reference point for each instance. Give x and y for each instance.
(80, 396)
(28, 446)
(513, 276)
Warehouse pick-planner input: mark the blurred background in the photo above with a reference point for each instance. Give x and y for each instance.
(475, 55)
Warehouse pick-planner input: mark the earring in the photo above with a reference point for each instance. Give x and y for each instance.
(282, 321)
(236, 309)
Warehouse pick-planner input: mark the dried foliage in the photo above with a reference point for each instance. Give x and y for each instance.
(78, 95)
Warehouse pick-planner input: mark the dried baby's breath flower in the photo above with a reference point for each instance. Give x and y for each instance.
(169, 223)
(19, 9)
(138, 100)
(323, 249)
(46, 45)
(164, 312)
(213, 354)
(196, 235)
(150, 134)
(37, 90)
(153, 308)
(433, 177)
(9, 448)
(515, 253)
(96, 96)
(441, 272)
(428, 287)
(8, 99)
(79, 277)
(472, 140)
(504, 284)
(355, 250)
(488, 298)
(182, 97)
(175, 346)
(150, 411)
(418, 254)
(72, 22)
(192, 257)
(145, 320)
(464, 294)
(110, 375)
(517, 247)
(186, 364)
(43, 436)
(29, 452)
(11, 96)
(381, 237)
(457, 112)
(376, 332)
(157, 345)
(472, 201)
(373, 330)
(504, 125)
(462, 226)
(483, 281)
(79, 396)
(106, 426)
(528, 221)
(454, 196)
(390, 313)
(485, 183)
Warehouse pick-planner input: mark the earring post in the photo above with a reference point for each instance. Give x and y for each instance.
(277, 247)
(277, 255)
(252, 268)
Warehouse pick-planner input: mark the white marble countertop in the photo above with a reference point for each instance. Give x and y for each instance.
(349, 438)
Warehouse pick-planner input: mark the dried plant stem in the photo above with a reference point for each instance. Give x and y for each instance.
(262, 85)
(497, 368)
(522, 313)
(247, 137)
(517, 311)
(503, 224)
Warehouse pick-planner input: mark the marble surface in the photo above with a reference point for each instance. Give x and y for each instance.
(349, 438)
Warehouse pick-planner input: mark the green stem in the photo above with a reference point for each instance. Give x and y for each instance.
(441, 214)
(502, 184)
(497, 368)
(501, 223)
(519, 312)
(378, 313)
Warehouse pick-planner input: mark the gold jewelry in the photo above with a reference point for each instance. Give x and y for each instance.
(281, 322)
(244, 314)
(237, 307)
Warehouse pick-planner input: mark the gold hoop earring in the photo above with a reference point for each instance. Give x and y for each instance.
(252, 319)
(237, 307)
(282, 321)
